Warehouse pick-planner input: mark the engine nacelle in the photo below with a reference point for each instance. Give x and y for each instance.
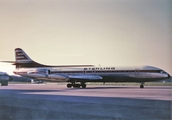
(37, 75)
(40, 73)
(45, 73)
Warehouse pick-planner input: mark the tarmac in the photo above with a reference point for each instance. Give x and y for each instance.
(103, 102)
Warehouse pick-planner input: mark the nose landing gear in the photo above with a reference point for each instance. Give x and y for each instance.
(142, 85)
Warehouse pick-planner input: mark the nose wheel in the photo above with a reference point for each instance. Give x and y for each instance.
(83, 85)
(69, 85)
(142, 85)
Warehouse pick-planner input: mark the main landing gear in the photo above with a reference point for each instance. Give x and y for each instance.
(83, 85)
(142, 85)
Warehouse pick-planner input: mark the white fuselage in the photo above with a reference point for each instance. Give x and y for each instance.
(108, 74)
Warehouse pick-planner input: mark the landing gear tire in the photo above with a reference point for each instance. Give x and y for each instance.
(69, 85)
(83, 85)
(141, 86)
(76, 85)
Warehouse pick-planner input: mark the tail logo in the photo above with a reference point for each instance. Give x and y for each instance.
(21, 55)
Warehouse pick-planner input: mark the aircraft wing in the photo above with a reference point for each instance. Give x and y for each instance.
(63, 76)
(85, 77)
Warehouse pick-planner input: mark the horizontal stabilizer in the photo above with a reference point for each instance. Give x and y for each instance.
(8, 61)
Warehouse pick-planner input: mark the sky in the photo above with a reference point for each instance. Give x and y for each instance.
(105, 32)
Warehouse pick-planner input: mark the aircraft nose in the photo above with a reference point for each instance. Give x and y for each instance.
(169, 76)
(166, 75)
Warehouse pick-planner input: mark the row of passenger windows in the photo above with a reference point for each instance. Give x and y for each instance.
(110, 71)
(102, 71)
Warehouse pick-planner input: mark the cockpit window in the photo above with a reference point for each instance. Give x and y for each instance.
(162, 72)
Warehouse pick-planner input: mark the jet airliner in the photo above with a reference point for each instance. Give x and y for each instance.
(4, 78)
(78, 75)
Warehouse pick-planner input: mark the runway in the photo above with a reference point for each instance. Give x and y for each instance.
(52, 102)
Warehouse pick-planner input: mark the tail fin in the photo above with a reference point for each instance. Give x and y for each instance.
(21, 56)
(24, 61)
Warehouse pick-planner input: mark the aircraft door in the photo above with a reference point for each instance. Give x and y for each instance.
(136, 72)
(84, 71)
(93, 70)
(48, 72)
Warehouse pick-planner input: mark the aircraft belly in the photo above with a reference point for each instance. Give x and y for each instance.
(51, 80)
(118, 77)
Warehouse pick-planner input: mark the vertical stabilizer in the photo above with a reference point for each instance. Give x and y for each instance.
(24, 61)
(21, 56)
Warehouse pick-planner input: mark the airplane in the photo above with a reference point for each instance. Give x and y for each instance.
(4, 78)
(78, 75)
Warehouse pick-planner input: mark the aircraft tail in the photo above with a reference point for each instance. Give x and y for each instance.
(22, 60)
(21, 56)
